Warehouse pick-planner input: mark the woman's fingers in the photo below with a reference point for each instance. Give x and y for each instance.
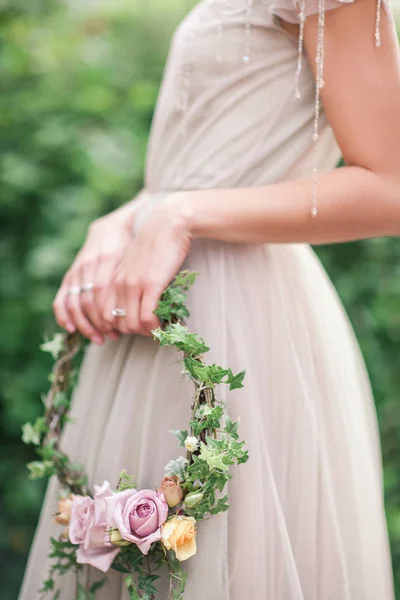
(133, 291)
(87, 302)
(104, 279)
(60, 308)
(119, 307)
(151, 295)
(76, 314)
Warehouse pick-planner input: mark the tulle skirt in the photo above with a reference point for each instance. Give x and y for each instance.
(307, 519)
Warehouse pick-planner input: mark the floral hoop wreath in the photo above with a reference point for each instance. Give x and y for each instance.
(129, 530)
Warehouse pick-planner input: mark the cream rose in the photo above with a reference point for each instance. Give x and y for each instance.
(191, 443)
(179, 534)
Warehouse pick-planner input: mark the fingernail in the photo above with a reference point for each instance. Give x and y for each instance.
(70, 328)
(113, 336)
(97, 339)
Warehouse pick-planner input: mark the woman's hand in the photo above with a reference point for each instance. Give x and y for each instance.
(93, 270)
(149, 264)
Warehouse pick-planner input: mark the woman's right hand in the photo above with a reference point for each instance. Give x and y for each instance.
(93, 268)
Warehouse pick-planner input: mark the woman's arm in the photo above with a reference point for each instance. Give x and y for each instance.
(361, 98)
(362, 102)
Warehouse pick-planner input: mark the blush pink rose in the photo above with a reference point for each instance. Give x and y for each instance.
(82, 511)
(139, 516)
(89, 528)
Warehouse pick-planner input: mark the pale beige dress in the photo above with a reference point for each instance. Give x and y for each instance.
(307, 518)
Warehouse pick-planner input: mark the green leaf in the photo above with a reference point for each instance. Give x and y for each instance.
(180, 434)
(97, 585)
(61, 399)
(126, 481)
(39, 469)
(47, 585)
(179, 336)
(235, 381)
(177, 467)
(221, 506)
(30, 434)
(215, 460)
(232, 427)
(54, 346)
(81, 595)
(210, 420)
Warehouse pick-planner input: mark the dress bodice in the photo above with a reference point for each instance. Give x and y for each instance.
(227, 114)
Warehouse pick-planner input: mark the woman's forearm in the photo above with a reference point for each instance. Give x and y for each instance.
(353, 203)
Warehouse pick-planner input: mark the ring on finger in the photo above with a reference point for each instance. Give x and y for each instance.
(74, 291)
(87, 287)
(118, 312)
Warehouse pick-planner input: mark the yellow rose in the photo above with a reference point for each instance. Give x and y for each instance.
(179, 534)
(63, 514)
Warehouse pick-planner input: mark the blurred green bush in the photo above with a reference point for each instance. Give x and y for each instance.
(79, 83)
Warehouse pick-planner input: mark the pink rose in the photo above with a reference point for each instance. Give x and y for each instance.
(171, 488)
(139, 516)
(89, 528)
(82, 511)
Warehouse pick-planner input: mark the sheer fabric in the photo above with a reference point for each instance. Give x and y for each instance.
(307, 518)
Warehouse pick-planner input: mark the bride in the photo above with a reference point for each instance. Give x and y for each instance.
(257, 104)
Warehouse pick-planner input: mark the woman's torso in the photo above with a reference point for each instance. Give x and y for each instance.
(227, 115)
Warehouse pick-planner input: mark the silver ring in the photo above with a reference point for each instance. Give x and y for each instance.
(88, 287)
(118, 312)
(74, 291)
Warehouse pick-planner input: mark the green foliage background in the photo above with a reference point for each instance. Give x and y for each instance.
(79, 82)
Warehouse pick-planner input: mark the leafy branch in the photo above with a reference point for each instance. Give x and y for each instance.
(211, 441)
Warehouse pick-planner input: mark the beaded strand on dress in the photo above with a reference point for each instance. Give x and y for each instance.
(319, 84)
(247, 31)
(378, 24)
(183, 102)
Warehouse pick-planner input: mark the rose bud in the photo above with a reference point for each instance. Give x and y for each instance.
(117, 539)
(63, 514)
(172, 491)
(193, 499)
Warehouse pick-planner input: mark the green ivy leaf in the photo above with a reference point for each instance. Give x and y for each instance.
(180, 434)
(61, 399)
(179, 336)
(81, 593)
(177, 467)
(54, 346)
(32, 434)
(39, 469)
(235, 381)
(214, 459)
(232, 427)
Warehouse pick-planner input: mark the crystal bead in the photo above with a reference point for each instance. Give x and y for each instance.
(246, 58)
(314, 211)
(298, 94)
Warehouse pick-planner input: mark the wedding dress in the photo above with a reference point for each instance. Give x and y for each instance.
(307, 518)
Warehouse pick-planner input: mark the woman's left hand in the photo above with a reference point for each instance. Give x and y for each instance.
(149, 264)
